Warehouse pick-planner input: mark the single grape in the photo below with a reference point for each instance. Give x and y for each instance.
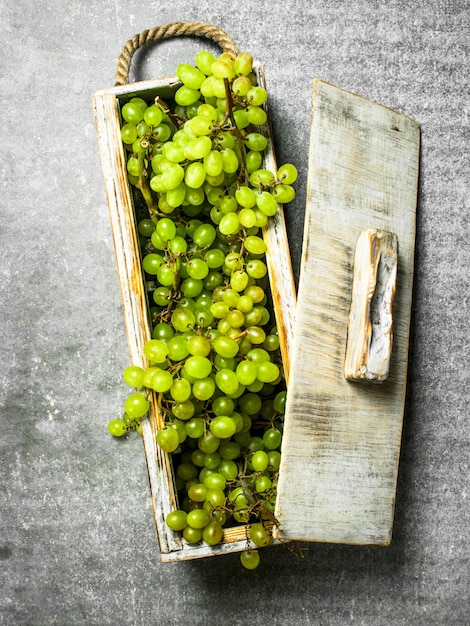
(117, 427)
(136, 405)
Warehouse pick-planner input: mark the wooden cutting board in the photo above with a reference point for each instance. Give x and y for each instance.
(341, 443)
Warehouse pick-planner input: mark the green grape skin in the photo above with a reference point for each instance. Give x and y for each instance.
(198, 518)
(133, 376)
(287, 174)
(259, 535)
(213, 533)
(117, 428)
(136, 405)
(194, 428)
(223, 427)
(192, 535)
(272, 439)
(176, 520)
(167, 439)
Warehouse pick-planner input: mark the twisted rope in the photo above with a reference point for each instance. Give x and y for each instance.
(177, 29)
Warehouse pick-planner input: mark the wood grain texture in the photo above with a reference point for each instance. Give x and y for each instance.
(370, 322)
(341, 442)
(135, 308)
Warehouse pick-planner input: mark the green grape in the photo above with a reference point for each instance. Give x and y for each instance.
(266, 203)
(259, 461)
(222, 69)
(241, 85)
(253, 161)
(136, 405)
(151, 263)
(279, 402)
(180, 390)
(216, 497)
(243, 64)
(146, 227)
(189, 75)
(132, 112)
(256, 268)
(272, 438)
(197, 492)
(262, 484)
(255, 245)
(195, 175)
(268, 372)
(129, 133)
(167, 439)
(274, 458)
(223, 405)
(153, 115)
(197, 268)
(262, 177)
(208, 442)
(178, 245)
(260, 536)
(227, 381)
(247, 218)
(133, 376)
(117, 427)
(224, 346)
(183, 319)
(229, 224)
(198, 518)
(204, 60)
(162, 381)
(197, 148)
(176, 520)
(204, 388)
(184, 410)
(250, 403)
(213, 533)
(214, 258)
(283, 194)
(256, 96)
(212, 461)
(213, 163)
(223, 426)
(192, 535)
(155, 350)
(178, 345)
(185, 96)
(229, 161)
(199, 346)
(247, 372)
(287, 174)
(214, 480)
(204, 235)
(194, 427)
(239, 280)
(256, 115)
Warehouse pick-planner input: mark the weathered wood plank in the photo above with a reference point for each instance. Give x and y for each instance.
(341, 442)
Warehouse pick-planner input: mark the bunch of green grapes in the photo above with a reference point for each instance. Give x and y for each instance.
(214, 359)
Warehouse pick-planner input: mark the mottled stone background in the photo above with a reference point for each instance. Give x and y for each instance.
(77, 538)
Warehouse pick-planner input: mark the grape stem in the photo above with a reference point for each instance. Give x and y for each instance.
(235, 130)
(143, 186)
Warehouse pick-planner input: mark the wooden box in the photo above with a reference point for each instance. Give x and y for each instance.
(107, 104)
(342, 432)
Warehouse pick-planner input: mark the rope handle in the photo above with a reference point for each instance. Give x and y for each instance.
(177, 29)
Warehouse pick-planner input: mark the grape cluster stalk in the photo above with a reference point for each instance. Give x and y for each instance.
(202, 197)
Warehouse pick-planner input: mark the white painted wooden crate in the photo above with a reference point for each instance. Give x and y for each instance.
(342, 439)
(107, 104)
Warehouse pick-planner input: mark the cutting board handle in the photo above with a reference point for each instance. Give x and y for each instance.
(176, 29)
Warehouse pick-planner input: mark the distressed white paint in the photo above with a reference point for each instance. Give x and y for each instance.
(341, 442)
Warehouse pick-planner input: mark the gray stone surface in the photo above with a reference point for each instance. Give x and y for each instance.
(77, 540)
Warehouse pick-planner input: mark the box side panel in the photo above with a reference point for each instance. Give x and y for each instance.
(342, 440)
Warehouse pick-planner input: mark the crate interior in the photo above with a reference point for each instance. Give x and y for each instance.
(160, 464)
